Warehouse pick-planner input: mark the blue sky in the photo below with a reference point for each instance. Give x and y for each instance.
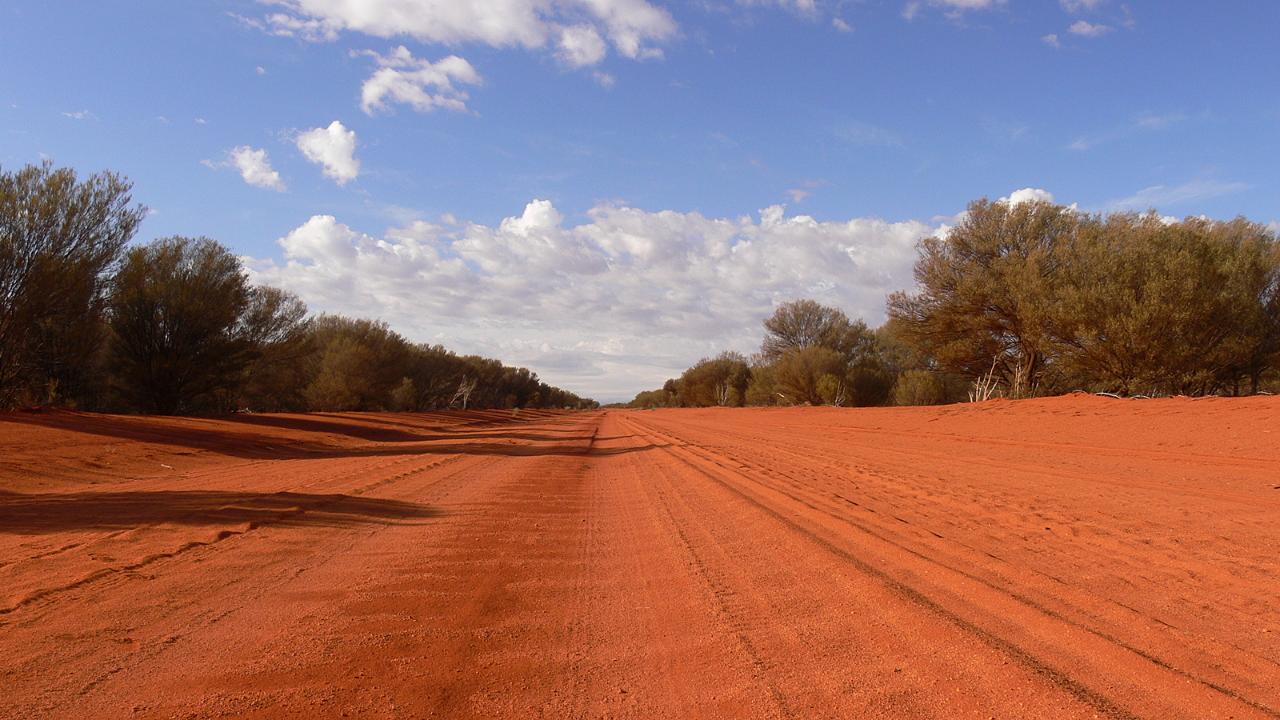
(606, 190)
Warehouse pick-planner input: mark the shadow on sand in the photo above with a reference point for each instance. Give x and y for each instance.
(223, 436)
(53, 512)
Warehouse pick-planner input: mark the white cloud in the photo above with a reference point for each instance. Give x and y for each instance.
(1075, 6)
(841, 25)
(607, 307)
(254, 167)
(201, 121)
(80, 115)
(805, 7)
(1051, 40)
(311, 29)
(633, 27)
(1017, 197)
(260, 70)
(1161, 196)
(604, 79)
(334, 149)
(953, 8)
(581, 45)
(419, 83)
(1088, 29)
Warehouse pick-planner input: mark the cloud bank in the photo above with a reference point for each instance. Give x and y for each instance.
(606, 307)
(579, 31)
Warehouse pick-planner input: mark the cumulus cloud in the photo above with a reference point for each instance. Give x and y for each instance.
(254, 166)
(1052, 40)
(633, 27)
(1084, 28)
(581, 45)
(421, 84)
(1025, 195)
(634, 295)
(334, 149)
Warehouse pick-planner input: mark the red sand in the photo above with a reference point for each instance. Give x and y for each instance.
(1072, 557)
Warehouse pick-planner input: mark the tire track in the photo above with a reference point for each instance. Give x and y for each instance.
(678, 449)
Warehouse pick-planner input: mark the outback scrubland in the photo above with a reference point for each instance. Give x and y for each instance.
(1027, 300)
(1075, 556)
(173, 326)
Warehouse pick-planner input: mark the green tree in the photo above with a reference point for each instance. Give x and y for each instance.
(805, 323)
(277, 329)
(58, 238)
(1152, 306)
(347, 378)
(721, 380)
(762, 387)
(175, 314)
(356, 364)
(802, 374)
(986, 291)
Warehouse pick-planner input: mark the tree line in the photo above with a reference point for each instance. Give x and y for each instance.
(174, 326)
(1029, 299)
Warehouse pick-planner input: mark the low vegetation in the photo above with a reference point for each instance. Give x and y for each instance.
(174, 326)
(1031, 299)
(1017, 300)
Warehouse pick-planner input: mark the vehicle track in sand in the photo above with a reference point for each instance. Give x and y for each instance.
(1072, 557)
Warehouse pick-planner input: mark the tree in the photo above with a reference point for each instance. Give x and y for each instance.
(175, 314)
(58, 237)
(343, 381)
(805, 323)
(355, 365)
(762, 387)
(1047, 299)
(986, 290)
(921, 387)
(435, 373)
(278, 332)
(801, 375)
(852, 374)
(1153, 306)
(721, 380)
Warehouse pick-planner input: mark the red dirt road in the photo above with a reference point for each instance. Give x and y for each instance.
(1069, 558)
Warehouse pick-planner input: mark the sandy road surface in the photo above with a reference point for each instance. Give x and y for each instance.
(1075, 557)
